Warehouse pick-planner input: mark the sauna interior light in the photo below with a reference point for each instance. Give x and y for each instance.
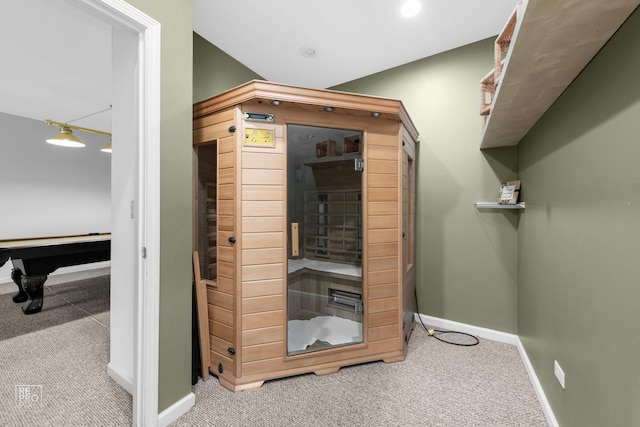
(375, 114)
(65, 139)
(410, 8)
(274, 102)
(328, 109)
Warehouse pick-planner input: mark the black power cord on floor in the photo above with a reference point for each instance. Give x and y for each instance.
(436, 332)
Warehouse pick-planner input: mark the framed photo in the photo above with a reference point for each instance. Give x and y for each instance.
(509, 192)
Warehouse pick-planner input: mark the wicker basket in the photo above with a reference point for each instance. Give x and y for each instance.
(487, 93)
(503, 41)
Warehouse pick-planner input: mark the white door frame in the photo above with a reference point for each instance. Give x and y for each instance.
(146, 301)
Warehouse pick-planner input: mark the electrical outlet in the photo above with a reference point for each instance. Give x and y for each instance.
(559, 373)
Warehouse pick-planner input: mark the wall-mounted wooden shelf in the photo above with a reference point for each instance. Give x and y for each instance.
(552, 42)
(493, 205)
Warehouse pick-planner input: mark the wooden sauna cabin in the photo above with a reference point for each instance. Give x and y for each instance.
(304, 226)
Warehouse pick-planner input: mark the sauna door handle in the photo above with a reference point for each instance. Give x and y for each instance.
(231, 239)
(295, 245)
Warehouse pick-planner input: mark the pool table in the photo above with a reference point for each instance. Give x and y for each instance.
(34, 258)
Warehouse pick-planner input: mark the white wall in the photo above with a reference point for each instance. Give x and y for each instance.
(124, 181)
(48, 190)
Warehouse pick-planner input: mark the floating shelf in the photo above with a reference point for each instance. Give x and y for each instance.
(493, 205)
(551, 44)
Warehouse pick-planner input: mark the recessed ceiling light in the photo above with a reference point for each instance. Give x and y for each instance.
(308, 52)
(410, 8)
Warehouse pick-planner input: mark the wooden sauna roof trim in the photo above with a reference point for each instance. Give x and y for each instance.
(307, 99)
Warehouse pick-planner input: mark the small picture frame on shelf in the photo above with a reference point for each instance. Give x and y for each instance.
(509, 192)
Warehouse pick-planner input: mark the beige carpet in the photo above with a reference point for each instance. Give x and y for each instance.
(437, 385)
(62, 354)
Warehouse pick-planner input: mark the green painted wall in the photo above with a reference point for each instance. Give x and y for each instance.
(467, 258)
(175, 18)
(214, 71)
(579, 240)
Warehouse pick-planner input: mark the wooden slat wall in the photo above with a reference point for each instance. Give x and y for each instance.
(263, 252)
(383, 231)
(264, 233)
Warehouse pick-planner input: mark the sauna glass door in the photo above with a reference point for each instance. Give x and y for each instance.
(324, 208)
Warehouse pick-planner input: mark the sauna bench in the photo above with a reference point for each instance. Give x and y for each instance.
(295, 265)
(324, 288)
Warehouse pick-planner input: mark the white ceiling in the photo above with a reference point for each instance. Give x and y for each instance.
(352, 38)
(56, 63)
(56, 59)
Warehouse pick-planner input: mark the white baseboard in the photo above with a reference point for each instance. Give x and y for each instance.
(537, 387)
(81, 267)
(176, 410)
(5, 271)
(167, 416)
(478, 331)
(502, 337)
(123, 380)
